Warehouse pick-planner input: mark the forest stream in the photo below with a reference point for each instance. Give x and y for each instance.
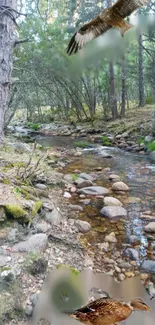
(137, 171)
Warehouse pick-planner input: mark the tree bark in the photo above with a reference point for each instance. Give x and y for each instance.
(141, 73)
(112, 93)
(6, 59)
(123, 87)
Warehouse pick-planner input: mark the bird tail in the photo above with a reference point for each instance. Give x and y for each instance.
(125, 27)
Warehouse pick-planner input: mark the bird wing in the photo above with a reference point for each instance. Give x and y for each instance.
(86, 33)
(94, 305)
(126, 7)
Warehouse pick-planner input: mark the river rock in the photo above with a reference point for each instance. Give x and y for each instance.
(151, 290)
(113, 212)
(83, 183)
(67, 195)
(150, 227)
(75, 207)
(13, 235)
(4, 260)
(148, 266)
(68, 178)
(78, 154)
(120, 186)
(103, 246)
(121, 277)
(125, 265)
(86, 177)
(41, 186)
(104, 154)
(94, 190)
(21, 147)
(111, 238)
(114, 177)
(42, 227)
(53, 217)
(111, 201)
(125, 134)
(83, 226)
(36, 243)
(132, 253)
(134, 240)
(148, 138)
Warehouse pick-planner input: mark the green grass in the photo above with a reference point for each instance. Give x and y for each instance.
(81, 144)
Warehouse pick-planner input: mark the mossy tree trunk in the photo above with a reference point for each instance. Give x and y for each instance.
(6, 58)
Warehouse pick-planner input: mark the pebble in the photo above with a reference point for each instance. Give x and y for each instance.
(83, 226)
(129, 274)
(121, 277)
(117, 269)
(111, 238)
(67, 195)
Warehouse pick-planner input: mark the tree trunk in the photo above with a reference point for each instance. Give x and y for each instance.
(112, 94)
(123, 87)
(6, 59)
(153, 77)
(141, 74)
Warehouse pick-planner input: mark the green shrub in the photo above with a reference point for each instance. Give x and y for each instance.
(151, 146)
(140, 140)
(106, 141)
(33, 126)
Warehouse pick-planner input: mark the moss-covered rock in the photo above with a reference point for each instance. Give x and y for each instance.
(15, 211)
(36, 208)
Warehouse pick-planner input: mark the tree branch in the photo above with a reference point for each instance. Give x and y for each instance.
(21, 42)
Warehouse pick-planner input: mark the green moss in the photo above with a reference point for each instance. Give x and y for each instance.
(74, 177)
(15, 211)
(6, 181)
(25, 193)
(37, 206)
(5, 268)
(101, 229)
(19, 164)
(74, 271)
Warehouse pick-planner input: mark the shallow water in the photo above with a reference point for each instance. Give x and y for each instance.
(136, 171)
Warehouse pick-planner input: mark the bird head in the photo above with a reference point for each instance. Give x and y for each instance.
(139, 304)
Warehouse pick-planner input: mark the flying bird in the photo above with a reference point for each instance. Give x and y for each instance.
(108, 311)
(107, 19)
